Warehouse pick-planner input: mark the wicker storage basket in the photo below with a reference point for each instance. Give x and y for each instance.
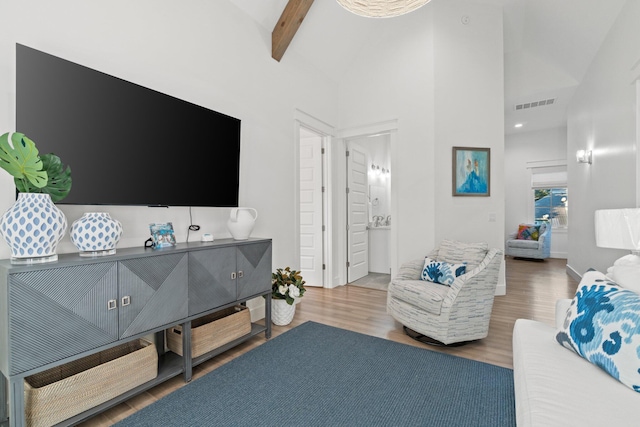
(59, 393)
(212, 331)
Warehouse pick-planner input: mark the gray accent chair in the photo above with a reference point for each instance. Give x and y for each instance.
(532, 249)
(447, 315)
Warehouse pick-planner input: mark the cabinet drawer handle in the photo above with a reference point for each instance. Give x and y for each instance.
(126, 300)
(233, 276)
(240, 274)
(112, 304)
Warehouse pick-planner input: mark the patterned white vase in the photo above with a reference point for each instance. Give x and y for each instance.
(96, 233)
(32, 228)
(281, 312)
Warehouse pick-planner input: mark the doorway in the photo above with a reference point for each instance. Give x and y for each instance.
(369, 209)
(334, 204)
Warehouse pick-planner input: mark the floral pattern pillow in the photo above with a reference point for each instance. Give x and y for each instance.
(443, 273)
(528, 232)
(603, 326)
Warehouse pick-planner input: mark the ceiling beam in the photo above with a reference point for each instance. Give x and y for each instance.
(287, 25)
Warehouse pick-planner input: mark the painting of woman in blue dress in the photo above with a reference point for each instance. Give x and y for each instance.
(471, 171)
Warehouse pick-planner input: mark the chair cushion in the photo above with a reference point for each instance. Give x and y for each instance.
(419, 293)
(528, 232)
(443, 273)
(455, 252)
(523, 244)
(603, 326)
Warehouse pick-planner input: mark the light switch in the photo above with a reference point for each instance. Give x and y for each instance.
(492, 217)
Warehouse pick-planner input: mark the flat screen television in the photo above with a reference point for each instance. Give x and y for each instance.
(126, 144)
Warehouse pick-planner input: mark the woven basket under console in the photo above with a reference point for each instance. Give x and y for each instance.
(212, 331)
(59, 393)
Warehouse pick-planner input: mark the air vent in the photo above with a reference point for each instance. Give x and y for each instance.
(534, 104)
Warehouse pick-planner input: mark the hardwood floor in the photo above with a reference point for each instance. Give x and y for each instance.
(532, 289)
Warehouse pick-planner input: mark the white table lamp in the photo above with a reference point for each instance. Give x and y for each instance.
(620, 229)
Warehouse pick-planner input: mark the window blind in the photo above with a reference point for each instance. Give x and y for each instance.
(549, 177)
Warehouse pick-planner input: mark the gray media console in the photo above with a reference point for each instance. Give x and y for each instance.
(57, 312)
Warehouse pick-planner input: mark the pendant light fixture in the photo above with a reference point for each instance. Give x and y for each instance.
(381, 8)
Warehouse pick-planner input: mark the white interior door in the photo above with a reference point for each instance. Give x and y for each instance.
(311, 250)
(357, 214)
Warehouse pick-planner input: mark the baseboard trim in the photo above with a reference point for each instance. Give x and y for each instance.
(573, 273)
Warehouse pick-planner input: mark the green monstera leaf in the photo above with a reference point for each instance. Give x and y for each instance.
(59, 183)
(20, 158)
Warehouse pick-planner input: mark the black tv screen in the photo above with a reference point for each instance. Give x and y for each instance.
(125, 144)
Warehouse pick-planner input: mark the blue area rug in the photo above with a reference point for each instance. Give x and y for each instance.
(318, 375)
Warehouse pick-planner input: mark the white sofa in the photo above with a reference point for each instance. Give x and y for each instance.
(556, 387)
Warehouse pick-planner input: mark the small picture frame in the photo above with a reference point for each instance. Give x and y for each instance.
(471, 171)
(162, 235)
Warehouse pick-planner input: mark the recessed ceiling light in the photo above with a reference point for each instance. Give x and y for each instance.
(518, 125)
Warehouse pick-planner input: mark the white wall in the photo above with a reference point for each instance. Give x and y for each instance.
(602, 118)
(393, 80)
(519, 149)
(469, 95)
(443, 82)
(440, 91)
(209, 53)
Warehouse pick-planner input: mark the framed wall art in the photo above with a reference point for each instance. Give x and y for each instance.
(162, 235)
(471, 171)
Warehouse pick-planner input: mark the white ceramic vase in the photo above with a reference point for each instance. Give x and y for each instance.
(241, 222)
(96, 233)
(281, 312)
(32, 228)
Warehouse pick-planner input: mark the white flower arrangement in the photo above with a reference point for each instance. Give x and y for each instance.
(287, 284)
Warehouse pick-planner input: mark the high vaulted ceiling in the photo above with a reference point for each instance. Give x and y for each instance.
(548, 46)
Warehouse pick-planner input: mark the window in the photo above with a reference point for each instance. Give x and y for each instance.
(549, 188)
(552, 206)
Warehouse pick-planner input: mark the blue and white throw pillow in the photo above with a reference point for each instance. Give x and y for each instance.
(443, 273)
(603, 326)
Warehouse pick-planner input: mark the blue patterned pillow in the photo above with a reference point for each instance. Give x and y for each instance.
(443, 273)
(603, 326)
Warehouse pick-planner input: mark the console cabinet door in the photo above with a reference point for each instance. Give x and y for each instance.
(212, 279)
(254, 269)
(60, 312)
(152, 292)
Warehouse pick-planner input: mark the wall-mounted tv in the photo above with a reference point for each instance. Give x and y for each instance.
(126, 144)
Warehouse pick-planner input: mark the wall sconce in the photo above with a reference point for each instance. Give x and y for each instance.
(584, 156)
(379, 171)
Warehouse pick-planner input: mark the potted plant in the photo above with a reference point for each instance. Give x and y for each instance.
(34, 225)
(31, 172)
(287, 286)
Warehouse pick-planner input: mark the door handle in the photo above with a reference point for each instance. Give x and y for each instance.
(112, 304)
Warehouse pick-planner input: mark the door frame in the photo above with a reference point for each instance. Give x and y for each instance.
(340, 203)
(326, 131)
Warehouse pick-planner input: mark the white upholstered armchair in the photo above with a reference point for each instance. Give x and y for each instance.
(539, 248)
(439, 314)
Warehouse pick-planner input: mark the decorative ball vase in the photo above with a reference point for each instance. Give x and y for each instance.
(32, 228)
(241, 222)
(96, 234)
(281, 312)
